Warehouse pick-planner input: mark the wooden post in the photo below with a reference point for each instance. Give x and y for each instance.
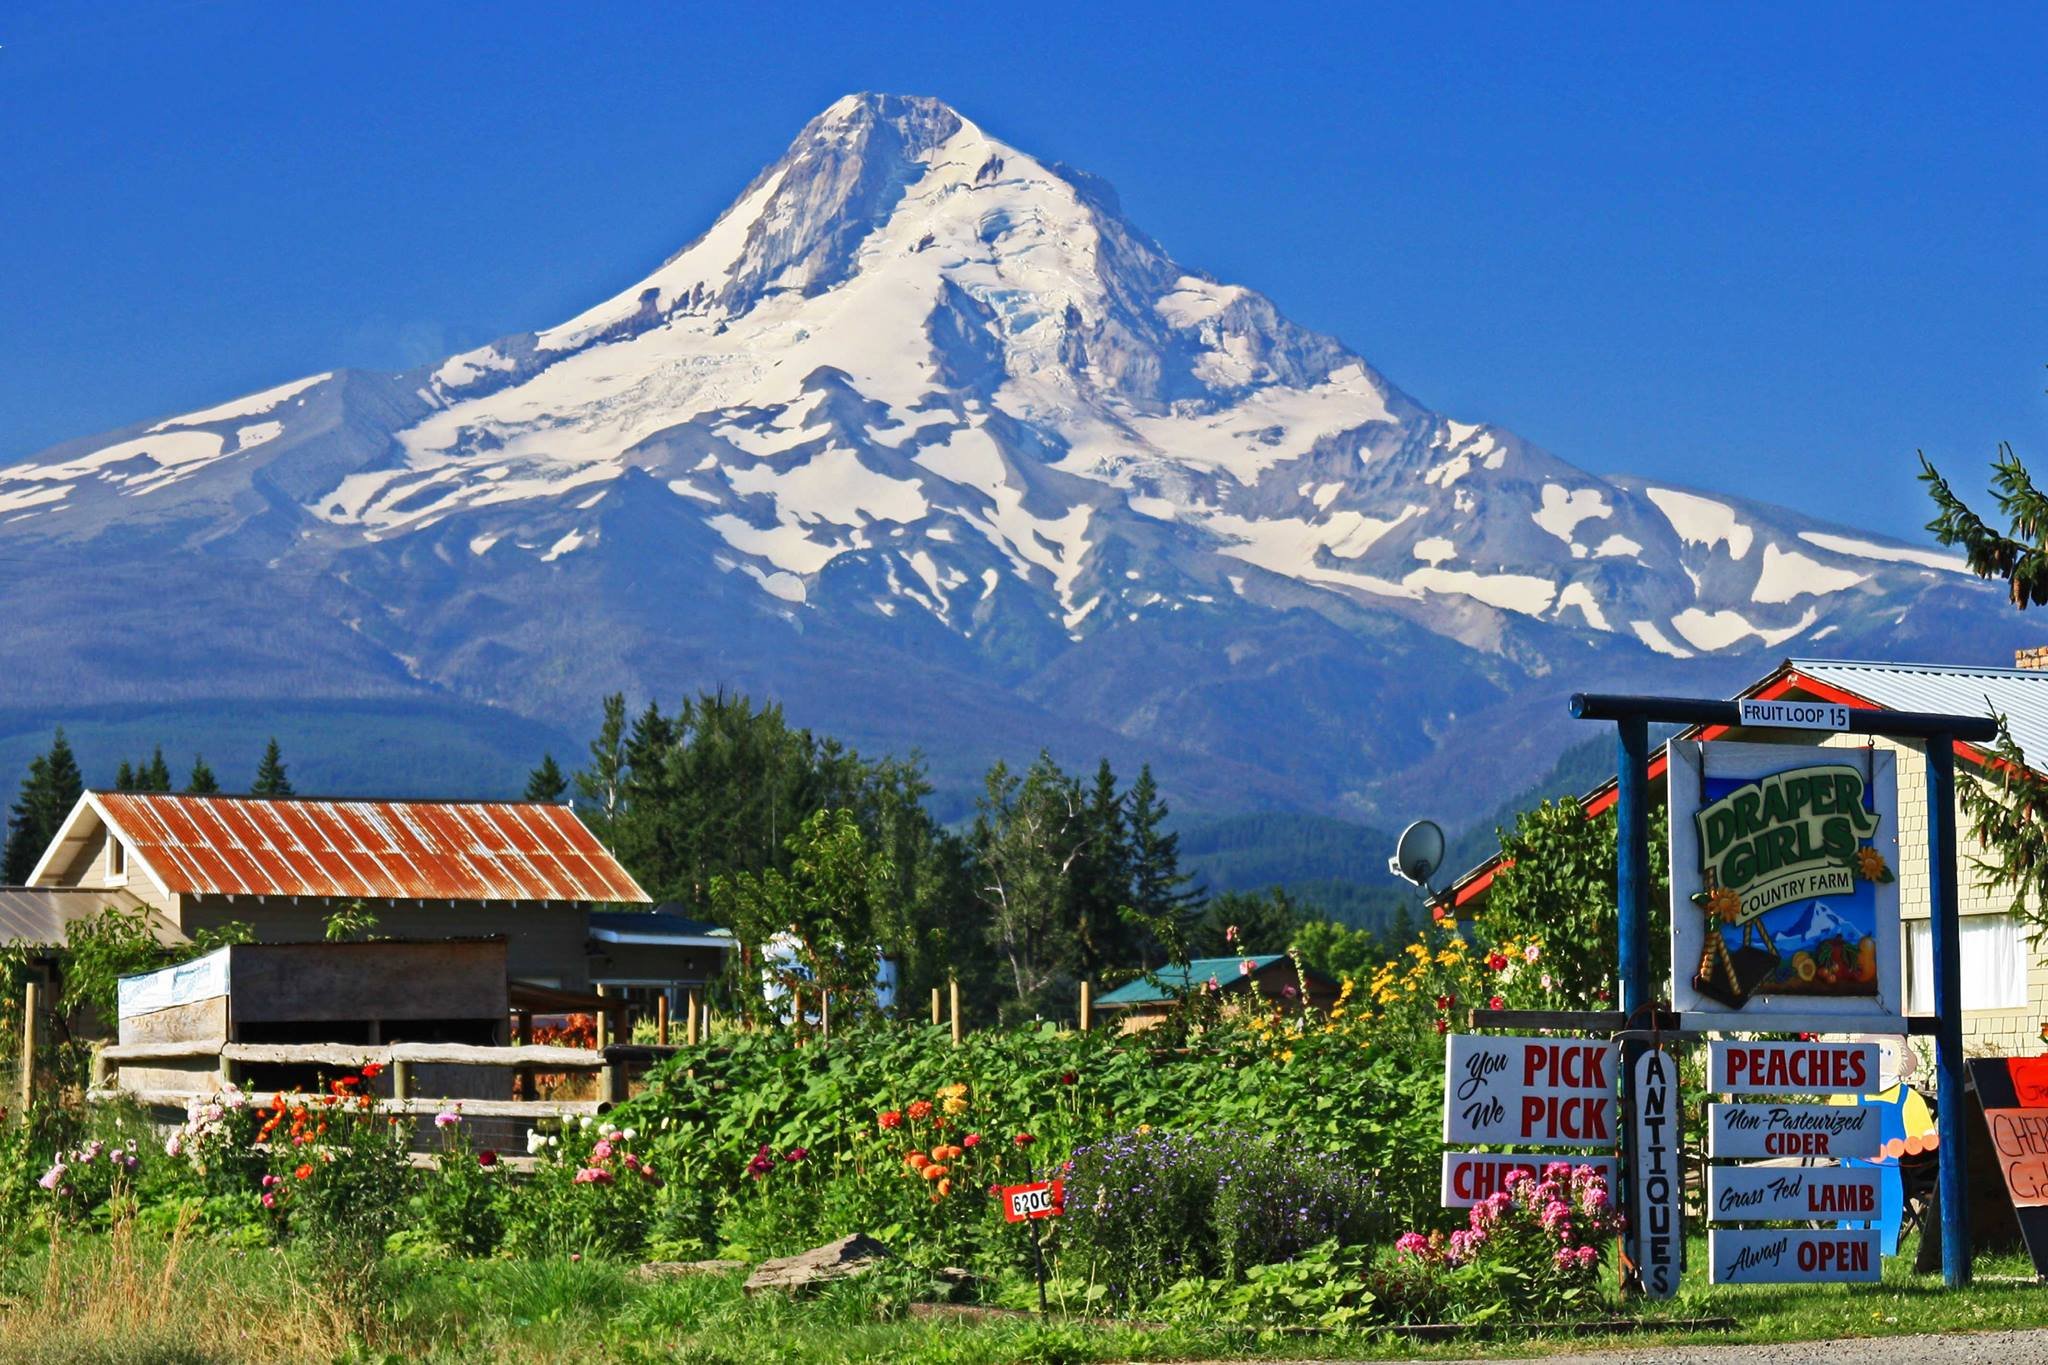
(690, 1030)
(30, 1004)
(937, 1017)
(611, 1081)
(522, 1079)
(401, 1080)
(661, 1018)
(953, 993)
(604, 1021)
(796, 1015)
(100, 1067)
(825, 1015)
(1087, 1006)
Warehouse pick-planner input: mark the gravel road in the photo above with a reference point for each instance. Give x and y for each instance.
(1969, 1348)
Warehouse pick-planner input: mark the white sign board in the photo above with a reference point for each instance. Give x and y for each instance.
(1794, 715)
(1824, 1131)
(1794, 1068)
(1792, 1256)
(1472, 1176)
(1538, 1092)
(1658, 1234)
(1784, 887)
(1791, 1194)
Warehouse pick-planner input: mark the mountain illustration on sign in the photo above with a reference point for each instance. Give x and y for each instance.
(1804, 947)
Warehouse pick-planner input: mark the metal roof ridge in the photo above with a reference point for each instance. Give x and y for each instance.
(1960, 670)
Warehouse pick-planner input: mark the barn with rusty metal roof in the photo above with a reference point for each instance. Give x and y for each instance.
(530, 872)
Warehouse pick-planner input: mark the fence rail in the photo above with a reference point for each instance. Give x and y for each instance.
(610, 1063)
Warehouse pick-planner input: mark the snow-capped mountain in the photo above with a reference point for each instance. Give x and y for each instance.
(924, 436)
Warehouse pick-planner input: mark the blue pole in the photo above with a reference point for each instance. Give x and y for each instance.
(1948, 1008)
(1631, 904)
(1632, 871)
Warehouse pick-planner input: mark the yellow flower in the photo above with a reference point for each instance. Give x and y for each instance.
(955, 1105)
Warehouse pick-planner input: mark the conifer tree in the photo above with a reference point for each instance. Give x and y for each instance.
(546, 784)
(202, 781)
(124, 777)
(2019, 557)
(51, 789)
(156, 775)
(603, 783)
(1101, 884)
(1160, 896)
(270, 773)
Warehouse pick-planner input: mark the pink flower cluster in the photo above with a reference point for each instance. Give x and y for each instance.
(1563, 1217)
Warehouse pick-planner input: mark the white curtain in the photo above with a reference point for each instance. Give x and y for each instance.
(1994, 964)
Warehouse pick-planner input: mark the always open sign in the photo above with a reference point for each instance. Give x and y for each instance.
(1040, 1199)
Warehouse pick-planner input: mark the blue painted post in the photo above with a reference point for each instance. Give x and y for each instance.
(1632, 870)
(1948, 1008)
(1632, 932)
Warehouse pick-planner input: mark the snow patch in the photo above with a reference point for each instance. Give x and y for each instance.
(1788, 574)
(1894, 554)
(1563, 510)
(253, 405)
(1581, 596)
(256, 434)
(1647, 632)
(1509, 591)
(1435, 550)
(1719, 629)
(1616, 546)
(1702, 521)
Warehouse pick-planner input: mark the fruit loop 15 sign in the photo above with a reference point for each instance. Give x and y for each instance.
(1659, 1233)
(1794, 715)
(1828, 1131)
(1540, 1092)
(1792, 1256)
(1472, 1176)
(1040, 1199)
(1783, 894)
(1802, 1194)
(1793, 1068)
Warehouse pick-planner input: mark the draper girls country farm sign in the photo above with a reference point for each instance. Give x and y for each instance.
(1543, 1092)
(1784, 900)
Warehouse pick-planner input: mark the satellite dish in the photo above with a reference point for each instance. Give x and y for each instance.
(1418, 854)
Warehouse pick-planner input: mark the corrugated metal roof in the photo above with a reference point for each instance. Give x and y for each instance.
(374, 850)
(40, 916)
(657, 926)
(1226, 970)
(2020, 695)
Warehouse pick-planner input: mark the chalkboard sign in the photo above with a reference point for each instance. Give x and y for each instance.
(2016, 1116)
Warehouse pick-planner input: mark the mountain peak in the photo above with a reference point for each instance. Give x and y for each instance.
(920, 122)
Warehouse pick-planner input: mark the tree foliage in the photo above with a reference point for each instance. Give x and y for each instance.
(271, 778)
(546, 784)
(47, 794)
(2019, 556)
(832, 902)
(1556, 882)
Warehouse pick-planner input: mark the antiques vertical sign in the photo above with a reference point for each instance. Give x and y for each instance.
(1784, 897)
(1659, 1224)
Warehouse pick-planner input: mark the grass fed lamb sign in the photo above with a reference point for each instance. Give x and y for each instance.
(1784, 900)
(1530, 1092)
(1787, 1194)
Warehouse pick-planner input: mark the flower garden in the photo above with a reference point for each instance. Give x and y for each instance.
(1231, 1181)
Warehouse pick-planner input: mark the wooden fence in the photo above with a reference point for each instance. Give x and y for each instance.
(613, 1066)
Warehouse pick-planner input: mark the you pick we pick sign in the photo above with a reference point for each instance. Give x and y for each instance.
(1541, 1092)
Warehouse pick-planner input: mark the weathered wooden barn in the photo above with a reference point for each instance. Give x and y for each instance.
(531, 874)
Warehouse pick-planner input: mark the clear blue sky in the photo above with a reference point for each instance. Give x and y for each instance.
(1746, 248)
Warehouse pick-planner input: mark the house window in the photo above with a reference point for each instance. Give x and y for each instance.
(1994, 964)
(117, 860)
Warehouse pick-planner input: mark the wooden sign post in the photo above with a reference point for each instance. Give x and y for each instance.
(1938, 735)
